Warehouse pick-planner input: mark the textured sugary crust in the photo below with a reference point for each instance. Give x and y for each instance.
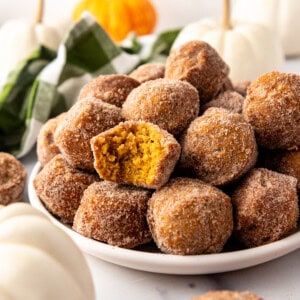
(148, 72)
(227, 86)
(115, 214)
(228, 295)
(272, 106)
(46, 148)
(112, 89)
(188, 216)
(286, 162)
(241, 87)
(164, 167)
(219, 147)
(266, 207)
(83, 121)
(170, 104)
(229, 100)
(60, 187)
(12, 179)
(199, 64)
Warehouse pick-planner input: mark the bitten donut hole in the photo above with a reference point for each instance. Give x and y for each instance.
(130, 153)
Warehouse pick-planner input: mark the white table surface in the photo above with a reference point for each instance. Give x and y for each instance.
(275, 280)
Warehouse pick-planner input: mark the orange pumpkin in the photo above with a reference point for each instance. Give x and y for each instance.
(119, 17)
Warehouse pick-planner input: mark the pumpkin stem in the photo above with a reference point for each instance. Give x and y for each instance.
(226, 20)
(39, 12)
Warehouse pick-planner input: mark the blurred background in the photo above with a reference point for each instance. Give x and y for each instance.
(169, 14)
(252, 36)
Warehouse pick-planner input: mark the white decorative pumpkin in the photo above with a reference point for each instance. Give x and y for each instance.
(282, 16)
(38, 260)
(19, 38)
(249, 49)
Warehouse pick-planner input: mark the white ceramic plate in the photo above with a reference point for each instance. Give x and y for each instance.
(172, 264)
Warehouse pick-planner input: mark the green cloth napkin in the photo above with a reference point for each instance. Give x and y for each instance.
(48, 83)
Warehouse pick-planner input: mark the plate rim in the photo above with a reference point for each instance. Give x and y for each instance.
(169, 263)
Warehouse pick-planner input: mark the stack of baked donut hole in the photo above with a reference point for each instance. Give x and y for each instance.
(176, 154)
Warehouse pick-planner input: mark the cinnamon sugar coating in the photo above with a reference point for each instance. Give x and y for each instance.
(229, 100)
(285, 162)
(112, 89)
(46, 147)
(228, 295)
(187, 216)
(219, 147)
(83, 121)
(137, 153)
(266, 207)
(12, 179)
(199, 64)
(227, 86)
(241, 87)
(60, 187)
(115, 214)
(148, 72)
(272, 106)
(170, 104)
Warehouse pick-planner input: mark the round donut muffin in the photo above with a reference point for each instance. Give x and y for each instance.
(266, 207)
(228, 295)
(241, 87)
(199, 64)
(188, 216)
(115, 214)
(12, 179)
(135, 152)
(112, 89)
(60, 187)
(218, 147)
(227, 86)
(285, 162)
(46, 148)
(272, 106)
(84, 120)
(148, 72)
(229, 100)
(170, 104)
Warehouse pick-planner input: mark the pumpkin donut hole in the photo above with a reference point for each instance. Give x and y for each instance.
(60, 187)
(241, 87)
(137, 153)
(115, 214)
(84, 120)
(46, 148)
(170, 104)
(148, 72)
(272, 107)
(285, 162)
(188, 217)
(218, 147)
(227, 295)
(266, 207)
(227, 86)
(112, 89)
(229, 100)
(12, 179)
(199, 64)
